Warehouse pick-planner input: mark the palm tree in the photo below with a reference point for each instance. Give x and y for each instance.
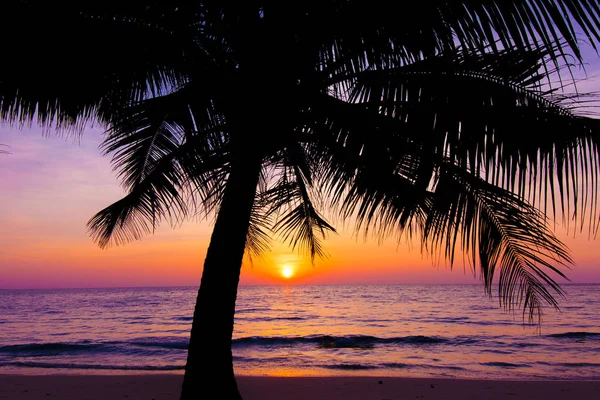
(438, 122)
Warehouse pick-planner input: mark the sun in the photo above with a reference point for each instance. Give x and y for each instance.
(287, 271)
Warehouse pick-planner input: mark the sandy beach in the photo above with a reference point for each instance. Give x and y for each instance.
(166, 387)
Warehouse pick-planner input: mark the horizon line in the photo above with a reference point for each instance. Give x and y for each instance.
(276, 284)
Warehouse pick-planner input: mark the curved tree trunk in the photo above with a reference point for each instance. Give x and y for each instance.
(209, 368)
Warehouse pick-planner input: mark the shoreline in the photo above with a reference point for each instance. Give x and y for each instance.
(166, 386)
(242, 376)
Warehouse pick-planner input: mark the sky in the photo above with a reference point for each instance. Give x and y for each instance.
(51, 186)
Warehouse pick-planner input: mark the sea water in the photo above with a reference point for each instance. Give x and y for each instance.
(385, 330)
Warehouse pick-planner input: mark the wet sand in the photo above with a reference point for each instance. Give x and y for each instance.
(166, 387)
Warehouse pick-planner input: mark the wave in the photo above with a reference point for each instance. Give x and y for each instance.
(163, 343)
(268, 319)
(33, 364)
(350, 367)
(570, 364)
(326, 341)
(524, 344)
(253, 310)
(49, 347)
(504, 364)
(496, 351)
(179, 343)
(396, 365)
(579, 365)
(37, 349)
(575, 335)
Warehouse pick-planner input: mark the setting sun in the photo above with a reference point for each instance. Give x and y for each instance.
(287, 271)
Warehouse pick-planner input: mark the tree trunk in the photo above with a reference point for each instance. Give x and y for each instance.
(209, 369)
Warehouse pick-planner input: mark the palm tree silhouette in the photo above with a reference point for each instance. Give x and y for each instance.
(436, 121)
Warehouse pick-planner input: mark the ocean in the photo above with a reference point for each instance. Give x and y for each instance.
(383, 330)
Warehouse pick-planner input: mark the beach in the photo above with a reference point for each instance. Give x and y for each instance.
(299, 343)
(166, 387)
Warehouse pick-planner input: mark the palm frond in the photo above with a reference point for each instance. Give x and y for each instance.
(258, 240)
(489, 123)
(298, 221)
(143, 132)
(506, 238)
(362, 35)
(94, 60)
(364, 161)
(168, 190)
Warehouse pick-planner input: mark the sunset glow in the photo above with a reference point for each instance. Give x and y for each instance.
(287, 271)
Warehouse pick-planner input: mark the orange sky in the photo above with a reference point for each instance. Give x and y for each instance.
(50, 187)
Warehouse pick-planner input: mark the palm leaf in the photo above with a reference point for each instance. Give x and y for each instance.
(505, 236)
(167, 191)
(87, 74)
(258, 240)
(365, 34)
(145, 131)
(487, 122)
(298, 221)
